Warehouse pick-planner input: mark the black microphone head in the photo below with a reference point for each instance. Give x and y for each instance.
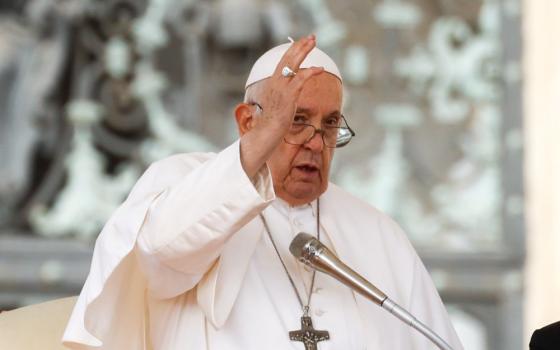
(300, 241)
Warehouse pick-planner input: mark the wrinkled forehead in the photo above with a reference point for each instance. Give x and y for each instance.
(265, 66)
(323, 91)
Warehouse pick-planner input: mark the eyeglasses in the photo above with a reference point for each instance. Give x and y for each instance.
(334, 135)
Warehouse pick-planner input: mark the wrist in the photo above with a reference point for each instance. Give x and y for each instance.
(255, 149)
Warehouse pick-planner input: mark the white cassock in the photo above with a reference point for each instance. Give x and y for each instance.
(185, 263)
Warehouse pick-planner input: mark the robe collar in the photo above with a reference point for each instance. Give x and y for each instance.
(285, 208)
(229, 271)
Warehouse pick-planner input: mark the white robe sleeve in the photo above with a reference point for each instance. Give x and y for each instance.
(188, 224)
(184, 208)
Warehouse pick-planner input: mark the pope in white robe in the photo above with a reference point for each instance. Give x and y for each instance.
(187, 261)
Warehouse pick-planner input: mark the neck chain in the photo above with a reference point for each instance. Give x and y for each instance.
(307, 335)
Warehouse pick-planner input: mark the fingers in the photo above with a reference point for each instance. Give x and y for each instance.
(282, 93)
(301, 54)
(295, 55)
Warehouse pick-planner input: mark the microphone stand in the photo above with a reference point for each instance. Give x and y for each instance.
(319, 257)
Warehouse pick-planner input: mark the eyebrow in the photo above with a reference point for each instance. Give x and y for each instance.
(308, 111)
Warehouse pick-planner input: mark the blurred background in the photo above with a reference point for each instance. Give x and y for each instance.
(456, 104)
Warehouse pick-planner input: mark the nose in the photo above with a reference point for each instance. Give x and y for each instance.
(316, 143)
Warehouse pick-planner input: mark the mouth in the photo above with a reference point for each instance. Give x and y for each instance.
(308, 168)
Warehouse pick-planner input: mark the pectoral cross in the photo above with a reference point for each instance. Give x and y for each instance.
(307, 335)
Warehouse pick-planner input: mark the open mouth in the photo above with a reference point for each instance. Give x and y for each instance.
(307, 168)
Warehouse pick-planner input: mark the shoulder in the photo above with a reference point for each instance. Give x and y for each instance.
(370, 223)
(374, 243)
(183, 162)
(170, 170)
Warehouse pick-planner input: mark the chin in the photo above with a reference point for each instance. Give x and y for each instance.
(300, 195)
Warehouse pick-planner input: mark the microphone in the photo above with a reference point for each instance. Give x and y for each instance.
(308, 250)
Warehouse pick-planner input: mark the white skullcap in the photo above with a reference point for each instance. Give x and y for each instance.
(265, 66)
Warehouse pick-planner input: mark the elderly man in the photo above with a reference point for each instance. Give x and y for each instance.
(197, 256)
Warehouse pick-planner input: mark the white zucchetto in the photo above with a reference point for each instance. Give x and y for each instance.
(266, 64)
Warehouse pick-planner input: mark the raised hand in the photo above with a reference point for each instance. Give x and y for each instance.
(280, 93)
(262, 130)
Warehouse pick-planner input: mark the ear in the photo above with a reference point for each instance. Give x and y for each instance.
(244, 117)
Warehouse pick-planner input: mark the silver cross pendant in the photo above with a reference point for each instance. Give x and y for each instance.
(307, 335)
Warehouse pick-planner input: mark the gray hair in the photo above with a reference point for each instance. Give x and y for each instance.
(253, 92)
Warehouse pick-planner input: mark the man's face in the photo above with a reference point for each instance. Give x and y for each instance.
(300, 173)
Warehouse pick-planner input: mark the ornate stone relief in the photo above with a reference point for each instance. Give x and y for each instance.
(150, 111)
(457, 68)
(456, 73)
(397, 14)
(89, 196)
(116, 92)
